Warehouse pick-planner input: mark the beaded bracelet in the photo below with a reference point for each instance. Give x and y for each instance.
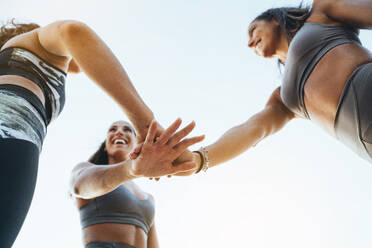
(206, 157)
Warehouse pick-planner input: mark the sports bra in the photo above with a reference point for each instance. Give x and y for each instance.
(118, 206)
(51, 80)
(308, 46)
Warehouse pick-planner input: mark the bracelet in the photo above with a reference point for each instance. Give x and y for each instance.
(206, 157)
(202, 161)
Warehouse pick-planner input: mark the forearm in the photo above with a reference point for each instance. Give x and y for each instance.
(234, 142)
(100, 64)
(97, 180)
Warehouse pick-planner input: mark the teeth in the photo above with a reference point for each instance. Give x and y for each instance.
(120, 141)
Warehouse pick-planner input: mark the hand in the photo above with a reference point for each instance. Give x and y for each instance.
(144, 131)
(155, 157)
(188, 156)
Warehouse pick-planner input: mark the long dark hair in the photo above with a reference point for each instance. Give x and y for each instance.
(290, 20)
(100, 156)
(11, 29)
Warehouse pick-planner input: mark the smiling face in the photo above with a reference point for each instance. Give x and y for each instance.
(265, 38)
(121, 140)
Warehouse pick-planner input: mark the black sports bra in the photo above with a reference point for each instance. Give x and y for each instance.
(51, 80)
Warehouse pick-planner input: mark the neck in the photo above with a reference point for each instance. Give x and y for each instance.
(117, 159)
(282, 50)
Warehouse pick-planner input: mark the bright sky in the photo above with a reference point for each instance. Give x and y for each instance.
(189, 59)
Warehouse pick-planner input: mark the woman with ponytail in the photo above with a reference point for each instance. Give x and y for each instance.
(34, 63)
(327, 77)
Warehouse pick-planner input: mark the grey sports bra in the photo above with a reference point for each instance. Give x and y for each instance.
(118, 206)
(308, 46)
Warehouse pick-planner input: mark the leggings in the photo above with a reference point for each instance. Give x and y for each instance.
(22, 131)
(108, 244)
(353, 122)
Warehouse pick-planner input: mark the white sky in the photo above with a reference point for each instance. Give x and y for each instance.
(189, 59)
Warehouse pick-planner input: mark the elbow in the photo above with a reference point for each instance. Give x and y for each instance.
(75, 189)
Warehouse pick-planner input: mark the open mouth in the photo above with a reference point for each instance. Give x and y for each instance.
(120, 142)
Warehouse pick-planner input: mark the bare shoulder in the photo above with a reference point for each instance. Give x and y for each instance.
(319, 12)
(275, 103)
(53, 35)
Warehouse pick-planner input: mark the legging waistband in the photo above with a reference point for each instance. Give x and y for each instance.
(108, 244)
(28, 96)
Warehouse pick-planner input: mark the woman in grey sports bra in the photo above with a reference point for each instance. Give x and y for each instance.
(114, 211)
(327, 77)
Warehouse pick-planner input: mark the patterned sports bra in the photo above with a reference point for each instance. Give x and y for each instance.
(51, 80)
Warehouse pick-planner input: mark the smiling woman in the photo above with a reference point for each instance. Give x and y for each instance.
(114, 211)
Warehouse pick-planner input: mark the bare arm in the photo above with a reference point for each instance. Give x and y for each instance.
(240, 138)
(356, 13)
(152, 239)
(89, 180)
(93, 57)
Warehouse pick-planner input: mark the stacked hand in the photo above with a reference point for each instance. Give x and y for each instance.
(154, 158)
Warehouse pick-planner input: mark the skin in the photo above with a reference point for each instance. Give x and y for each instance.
(89, 181)
(322, 92)
(73, 47)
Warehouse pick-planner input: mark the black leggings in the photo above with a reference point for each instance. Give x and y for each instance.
(18, 166)
(22, 131)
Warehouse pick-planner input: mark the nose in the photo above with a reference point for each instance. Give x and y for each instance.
(119, 131)
(250, 43)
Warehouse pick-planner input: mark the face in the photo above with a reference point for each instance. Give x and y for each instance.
(264, 37)
(121, 139)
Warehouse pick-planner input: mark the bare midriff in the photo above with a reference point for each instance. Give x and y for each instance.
(324, 87)
(25, 83)
(123, 233)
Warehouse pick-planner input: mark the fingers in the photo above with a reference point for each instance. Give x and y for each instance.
(187, 166)
(151, 133)
(181, 134)
(184, 144)
(168, 132)
(136, 152)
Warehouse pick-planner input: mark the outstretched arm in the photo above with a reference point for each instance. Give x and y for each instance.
(240, 138)
(93, 57)
(356, 13)
(89, 180)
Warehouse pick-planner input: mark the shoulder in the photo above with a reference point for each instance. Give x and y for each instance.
(320, 12)
(54, 36)
(276, 104)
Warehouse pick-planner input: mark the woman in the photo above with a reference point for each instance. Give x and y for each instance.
(114, 211)
(327, 76)
(34, 62)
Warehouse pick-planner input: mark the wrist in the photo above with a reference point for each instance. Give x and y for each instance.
(142, 125)
(129, 169)
(198, 159)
